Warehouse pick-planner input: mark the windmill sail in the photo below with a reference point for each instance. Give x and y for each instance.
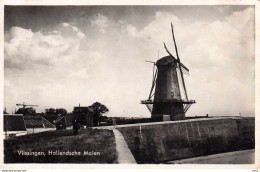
(153, 83)
(185, 70)
(179, 62)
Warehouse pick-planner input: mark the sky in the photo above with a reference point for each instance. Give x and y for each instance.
(63, 56)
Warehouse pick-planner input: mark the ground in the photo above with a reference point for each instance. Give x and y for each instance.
(237, 157)
(100, 141)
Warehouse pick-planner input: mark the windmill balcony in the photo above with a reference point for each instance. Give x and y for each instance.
(168, 101)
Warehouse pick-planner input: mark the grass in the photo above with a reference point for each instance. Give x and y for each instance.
(102, 141)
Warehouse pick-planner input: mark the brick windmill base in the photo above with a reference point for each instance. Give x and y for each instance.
(166, 111)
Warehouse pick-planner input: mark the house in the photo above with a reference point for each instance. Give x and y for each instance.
(64, 122)
(84, 115)
(14, 125)
(36, 124)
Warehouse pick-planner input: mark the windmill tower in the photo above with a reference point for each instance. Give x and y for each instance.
(168, 103)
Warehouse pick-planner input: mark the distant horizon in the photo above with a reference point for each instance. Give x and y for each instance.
(60, 56)
(111, 115)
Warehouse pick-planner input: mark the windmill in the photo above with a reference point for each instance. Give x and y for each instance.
(167, 103)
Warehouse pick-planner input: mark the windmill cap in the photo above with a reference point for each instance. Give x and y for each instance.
(166, 61)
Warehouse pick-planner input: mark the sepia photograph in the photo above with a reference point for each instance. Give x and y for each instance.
(129, 84)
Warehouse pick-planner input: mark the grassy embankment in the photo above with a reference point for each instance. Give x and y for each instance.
(102, 141)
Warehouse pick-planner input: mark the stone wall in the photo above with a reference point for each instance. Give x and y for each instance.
(246, 129)
(164, 141)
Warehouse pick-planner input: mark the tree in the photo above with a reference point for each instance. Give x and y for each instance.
(61, 111)
(98, 110)
(50, 111)
(58, 111)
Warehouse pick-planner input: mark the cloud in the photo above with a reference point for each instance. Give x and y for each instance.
(101, 22)
(46, 65)
(24, 47)
(68, 66)
(65, 24)
(70, 30)
(75, 28)
(220, 55)
(80, 35)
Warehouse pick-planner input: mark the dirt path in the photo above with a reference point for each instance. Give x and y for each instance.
(237, 157)
(124, 154)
